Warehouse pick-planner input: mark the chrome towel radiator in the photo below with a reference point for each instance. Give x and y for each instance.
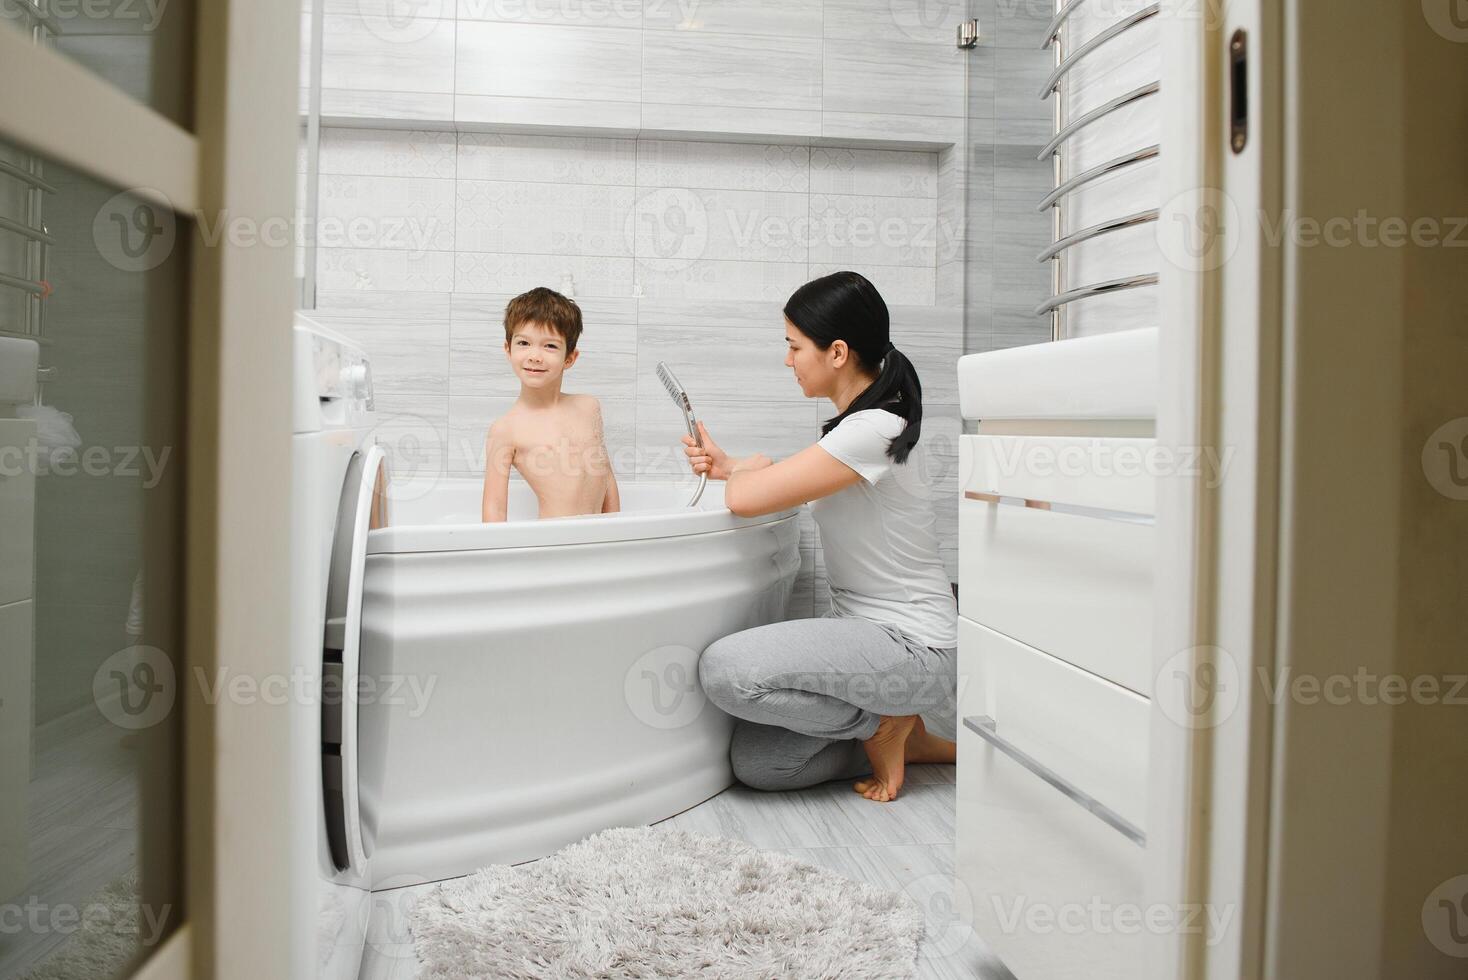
(1066, 183)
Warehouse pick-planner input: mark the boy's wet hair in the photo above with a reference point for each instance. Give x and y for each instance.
(547, 307)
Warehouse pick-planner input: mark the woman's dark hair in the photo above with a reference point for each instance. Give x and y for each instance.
(845, 306)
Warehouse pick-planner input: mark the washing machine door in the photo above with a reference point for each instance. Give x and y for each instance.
(351, 759)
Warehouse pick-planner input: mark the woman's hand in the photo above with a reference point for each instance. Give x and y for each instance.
(708, 458)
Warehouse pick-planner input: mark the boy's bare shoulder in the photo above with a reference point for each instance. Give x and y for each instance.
(587, 403)
(502, 429)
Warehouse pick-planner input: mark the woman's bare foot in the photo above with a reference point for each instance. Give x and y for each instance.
(921, 748)
(886, 750)
(925, 748)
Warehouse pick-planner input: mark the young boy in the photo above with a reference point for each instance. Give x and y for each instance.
(552, 438)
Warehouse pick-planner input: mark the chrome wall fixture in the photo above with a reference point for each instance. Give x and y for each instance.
(1057, 84)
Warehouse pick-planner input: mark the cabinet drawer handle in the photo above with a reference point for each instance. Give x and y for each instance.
(1099, 513)
(985, 728)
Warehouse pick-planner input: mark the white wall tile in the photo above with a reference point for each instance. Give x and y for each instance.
(682, 225)
(778, 18)
(898, 130)
(413, 430)
(543, 218)
(394, 153)
(889, 173)
(743, 123)
(492, 272)
(714, 279)
(930, 22)
(406, 213)
(723, 363)
(545, 116)
(865, 230)
(899, 285)
(340, 106)
(533, 61)
(569, 13)
(730, 166)
(387, 54)
(559, 159)
(393, 270)
(410, 354)
(893, 77)
(731, 69)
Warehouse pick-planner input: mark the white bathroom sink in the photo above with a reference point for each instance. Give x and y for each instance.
(1111, 376)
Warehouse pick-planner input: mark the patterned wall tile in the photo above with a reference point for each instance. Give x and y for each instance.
(889, 173)
(394, 270)
(502, 272)
(558, 159)
(543, 218)
(410, 354)
(730, 166)
(899, 285)
(379, 153)
(849, 229)
(409, 213)
(712, 279)
(678, 225)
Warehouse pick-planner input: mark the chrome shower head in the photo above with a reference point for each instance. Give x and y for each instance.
(680, 398)
(676, 390)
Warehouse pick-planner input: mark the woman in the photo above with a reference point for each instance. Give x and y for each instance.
(855, 691)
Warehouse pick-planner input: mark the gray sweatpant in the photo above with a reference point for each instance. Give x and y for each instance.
(807, 692)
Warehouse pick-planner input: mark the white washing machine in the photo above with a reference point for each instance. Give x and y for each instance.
(337, 738)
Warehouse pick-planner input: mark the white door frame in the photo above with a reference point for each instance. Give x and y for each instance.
(1322, 363)
(240, 163)
(1220, 364)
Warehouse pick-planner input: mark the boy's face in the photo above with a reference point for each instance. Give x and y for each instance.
(538, 354)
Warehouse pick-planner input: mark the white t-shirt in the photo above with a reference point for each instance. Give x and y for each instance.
(880, 537)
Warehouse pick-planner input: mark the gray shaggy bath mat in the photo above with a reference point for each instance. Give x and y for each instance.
(102, 944)
(643, 902)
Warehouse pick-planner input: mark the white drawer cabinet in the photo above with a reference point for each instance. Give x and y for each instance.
(16, 628)
(1051, 810)
(1075, 583)
(17, 511)
(1077, 586)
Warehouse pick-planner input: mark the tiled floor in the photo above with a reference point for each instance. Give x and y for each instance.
(906, 845)
(83, 828)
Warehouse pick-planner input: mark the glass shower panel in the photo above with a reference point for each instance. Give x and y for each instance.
(1007, 125)
(92, 312)
(139, 46)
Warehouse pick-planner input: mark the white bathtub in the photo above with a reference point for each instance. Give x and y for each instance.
(559, 660)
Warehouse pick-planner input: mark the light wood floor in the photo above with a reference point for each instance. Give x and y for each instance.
(906, 845)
